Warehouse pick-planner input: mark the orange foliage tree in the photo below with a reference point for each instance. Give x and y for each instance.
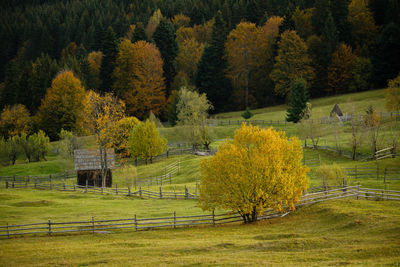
(340, 70)
(94, 59)
(247, 48)
(257, 170)
(62, 106)
(139, 78)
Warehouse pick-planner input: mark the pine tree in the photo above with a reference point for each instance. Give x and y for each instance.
(164, 37)
(210, 78)
(139, 34)
(110, 51)
(298, 99)
(320, 15)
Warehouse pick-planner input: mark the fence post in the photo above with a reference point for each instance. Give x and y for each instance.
(355, 171)
(174, 219)
(6, 184)
(86, 186)
(140, 191)
(92, 225)
(116, 189)
(386, 193)
(358, 189)
(213, 218)
(129, 190)
(35, 183)
(49, 223)
(160, 192)
(8, 231)
(13, 184)
(384, 176)
(319, 158)
(186, 192)
(174, 191)
(167, 153)
(195, 192)
(64, 186)
(135, 182)
(135, 223)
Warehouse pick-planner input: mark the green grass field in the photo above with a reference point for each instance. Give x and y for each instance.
(344, 232)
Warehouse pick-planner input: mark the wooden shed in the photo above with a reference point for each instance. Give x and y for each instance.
(336, 111)
(88, 167)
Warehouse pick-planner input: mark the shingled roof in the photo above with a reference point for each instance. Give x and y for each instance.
(336, 110)
(89, 159)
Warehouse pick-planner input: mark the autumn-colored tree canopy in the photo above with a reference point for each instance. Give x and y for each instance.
(259, 169)
(139, 78)
(188, 56)
(393, 95)
(62, 106)
(14, 120)
(292, 62)
(145, 142)
(119, 134)
(340, 70)
(247, 48)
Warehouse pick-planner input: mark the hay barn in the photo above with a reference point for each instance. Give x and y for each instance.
(88, 167)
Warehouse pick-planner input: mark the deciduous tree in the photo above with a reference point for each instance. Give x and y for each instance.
(292, 62)
(14, 120)
(340, 70)
(145, 142)
(119, 135)
(393, 95)
(62, 106)
(139, 78)
(257, 170)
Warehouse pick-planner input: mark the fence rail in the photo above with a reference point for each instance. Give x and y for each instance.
(134, 223)
(68, 174)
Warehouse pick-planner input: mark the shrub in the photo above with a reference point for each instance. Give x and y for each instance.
(331, 175)
(247, 114)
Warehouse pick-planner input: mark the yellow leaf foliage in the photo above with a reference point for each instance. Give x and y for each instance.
(259, 169)
(180, 20)
(189, 54)
(153, 23)
(119, 134)
(94, 59)
(139, 78)
(393, 95)
(14, 120)
(303, 22)
(62, 106)
(292, 62)
(145, 142)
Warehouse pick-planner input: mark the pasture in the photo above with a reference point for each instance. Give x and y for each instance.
(337, 232)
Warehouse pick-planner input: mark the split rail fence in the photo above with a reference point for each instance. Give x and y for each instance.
(135, 223)
(68, 174)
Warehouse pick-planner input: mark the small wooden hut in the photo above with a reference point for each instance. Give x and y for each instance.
(336, 111)
(88, 167)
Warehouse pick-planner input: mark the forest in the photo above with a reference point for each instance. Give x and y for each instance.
(240, 53)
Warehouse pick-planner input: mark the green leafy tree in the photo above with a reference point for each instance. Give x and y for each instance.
(247, 114)
(68, 143)
(393, 95)
(193, 111)
(362, 74)
(145, 142)
(298, 99)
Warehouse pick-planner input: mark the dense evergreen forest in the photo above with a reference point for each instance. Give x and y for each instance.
(239, 52)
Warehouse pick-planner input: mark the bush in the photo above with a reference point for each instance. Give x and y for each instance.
(119, 134)
(247, 114)
(331, 175)
(35, 146)
(68, 143)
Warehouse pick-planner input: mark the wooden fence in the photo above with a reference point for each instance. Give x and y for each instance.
(135, 223)
(386, 175)
(68, 174)
(253, 122)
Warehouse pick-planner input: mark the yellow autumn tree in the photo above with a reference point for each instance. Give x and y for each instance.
(180, 20)
(153, 23)
(303, 22)
(94, 59)
(189, 54)
(119, 135)
(259, 169)
(292, 62)
(340, 70)
(363, 27)
(145, 141)
(14, 120)
(139, 78)
(101, 113)
(248, 47)
(62, 105)
(393, 95)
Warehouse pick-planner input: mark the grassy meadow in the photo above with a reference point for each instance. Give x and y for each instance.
(343, 232)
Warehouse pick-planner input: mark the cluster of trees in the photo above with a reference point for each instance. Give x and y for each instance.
(239, 53)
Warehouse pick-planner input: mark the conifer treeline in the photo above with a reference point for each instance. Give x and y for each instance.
(39, 38)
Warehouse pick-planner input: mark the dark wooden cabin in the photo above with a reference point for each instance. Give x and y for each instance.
(336, 111)
(88, 167)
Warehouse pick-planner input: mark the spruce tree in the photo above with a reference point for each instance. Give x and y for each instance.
(210, 77)
(164, 37)
(110, 50)
(298, 99)
(139, 34)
